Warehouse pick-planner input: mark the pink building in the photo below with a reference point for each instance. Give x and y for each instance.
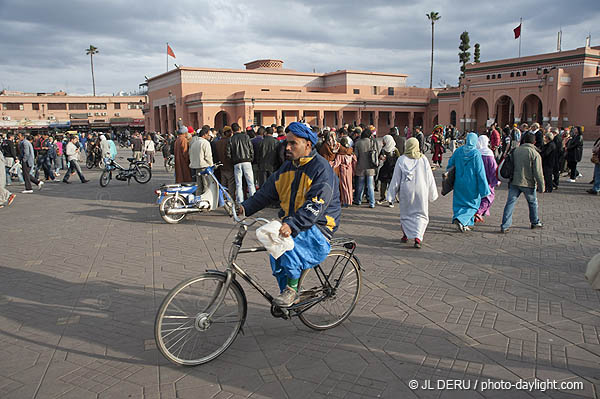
(43, 111)
(561, 89)
(266, 93)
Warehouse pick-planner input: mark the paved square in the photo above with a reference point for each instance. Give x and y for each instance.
(83, 270)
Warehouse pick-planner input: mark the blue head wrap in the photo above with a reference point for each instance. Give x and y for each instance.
(301, 130)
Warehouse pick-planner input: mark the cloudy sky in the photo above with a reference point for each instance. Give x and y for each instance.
(43, 42)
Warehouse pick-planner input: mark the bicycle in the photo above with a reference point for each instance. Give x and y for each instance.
(210, 309)
(139, 170)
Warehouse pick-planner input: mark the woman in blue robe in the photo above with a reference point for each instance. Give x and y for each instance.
(470, 184)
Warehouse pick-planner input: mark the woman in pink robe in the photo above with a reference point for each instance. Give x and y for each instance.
(345, 160)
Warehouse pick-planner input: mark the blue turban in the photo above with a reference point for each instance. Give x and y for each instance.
(301, 130)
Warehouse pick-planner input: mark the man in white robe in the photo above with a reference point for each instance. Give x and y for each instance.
(414, 186)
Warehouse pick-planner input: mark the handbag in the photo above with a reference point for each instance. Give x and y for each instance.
(448, 180)
(595, 159)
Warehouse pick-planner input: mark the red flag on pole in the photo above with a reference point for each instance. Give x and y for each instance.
(170, 51)
(517, 31)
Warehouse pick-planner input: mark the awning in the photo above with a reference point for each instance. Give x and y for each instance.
(98, 125)
(80, 122)
(120, 121)
(79, 116)
(60, 125)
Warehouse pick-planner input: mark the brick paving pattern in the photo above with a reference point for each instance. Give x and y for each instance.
(83, 270)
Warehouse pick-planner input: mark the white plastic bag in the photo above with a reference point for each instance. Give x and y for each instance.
(268, 235)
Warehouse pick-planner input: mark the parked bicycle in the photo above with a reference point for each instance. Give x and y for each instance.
(139, 170)
(202, 316)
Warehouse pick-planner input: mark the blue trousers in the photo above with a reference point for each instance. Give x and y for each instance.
(513, 194)
(310, 248)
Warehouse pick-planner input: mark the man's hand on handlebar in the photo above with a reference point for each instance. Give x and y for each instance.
(239, 210)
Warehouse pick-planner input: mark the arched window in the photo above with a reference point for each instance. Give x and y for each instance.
(598, 116)
(453, 117)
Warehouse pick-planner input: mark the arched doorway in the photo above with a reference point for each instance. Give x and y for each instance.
(563, 115)
(479, 114)
(221, 119)
(531, 110)
(505, 111)
(453, 118)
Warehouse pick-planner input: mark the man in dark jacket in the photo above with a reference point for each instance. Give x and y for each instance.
(399, 139)
(310, 209)
(574, 153)
(220, 152)
(559, 154)
(267, 156)
(241, 153)
(421, 138)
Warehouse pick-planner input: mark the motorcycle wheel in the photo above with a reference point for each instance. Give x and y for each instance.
(105, 178)
(171, 202)
(89, 163)
(143, 174)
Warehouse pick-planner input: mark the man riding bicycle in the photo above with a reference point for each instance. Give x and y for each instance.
(309, 196)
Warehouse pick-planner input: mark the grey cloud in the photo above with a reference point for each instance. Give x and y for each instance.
(46, 40)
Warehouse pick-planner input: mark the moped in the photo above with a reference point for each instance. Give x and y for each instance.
(178, 200)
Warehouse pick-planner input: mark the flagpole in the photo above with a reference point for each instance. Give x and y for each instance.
(168, 56)
(520, 34)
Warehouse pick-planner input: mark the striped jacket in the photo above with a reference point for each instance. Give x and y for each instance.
(308, 193)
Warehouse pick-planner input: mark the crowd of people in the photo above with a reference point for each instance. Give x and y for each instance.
(362, 164)
(38, 158)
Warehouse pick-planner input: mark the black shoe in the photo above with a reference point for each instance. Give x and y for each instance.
(537, 225)
(593, 192)
(66, 181)
(85, 181)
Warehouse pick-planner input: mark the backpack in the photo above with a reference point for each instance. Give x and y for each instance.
(507, 168)
(374, 154)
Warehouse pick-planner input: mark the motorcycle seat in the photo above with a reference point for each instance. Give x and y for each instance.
(188, 184)
(131, 159)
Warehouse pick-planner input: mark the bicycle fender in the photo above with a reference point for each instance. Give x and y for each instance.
(358, 262)
(235, 282)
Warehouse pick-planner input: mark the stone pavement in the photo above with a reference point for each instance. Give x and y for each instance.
(83, 270)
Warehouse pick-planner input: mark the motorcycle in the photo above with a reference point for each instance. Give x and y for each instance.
(170, 163)
(178, 200)
(94, 158)
(139, 170)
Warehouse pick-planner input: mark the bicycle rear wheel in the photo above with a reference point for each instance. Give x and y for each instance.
(143, 174)
(183, 333)
(336, 287)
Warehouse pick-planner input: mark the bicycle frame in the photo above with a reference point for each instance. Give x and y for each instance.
(234, 269)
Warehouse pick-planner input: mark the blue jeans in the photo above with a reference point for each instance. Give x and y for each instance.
(513, 194)
(239, 169)
(596, 187)
(360, 188)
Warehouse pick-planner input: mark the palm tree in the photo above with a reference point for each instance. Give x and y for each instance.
(432, 16)
(91, 51)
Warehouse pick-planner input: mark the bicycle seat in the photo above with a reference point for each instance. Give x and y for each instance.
(131, 159)
(188, 184)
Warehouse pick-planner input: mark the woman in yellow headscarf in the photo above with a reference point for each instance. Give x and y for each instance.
(414, 186)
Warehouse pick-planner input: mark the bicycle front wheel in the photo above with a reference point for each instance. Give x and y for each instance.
(184, 334)
(334, 286)
(105, 178)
